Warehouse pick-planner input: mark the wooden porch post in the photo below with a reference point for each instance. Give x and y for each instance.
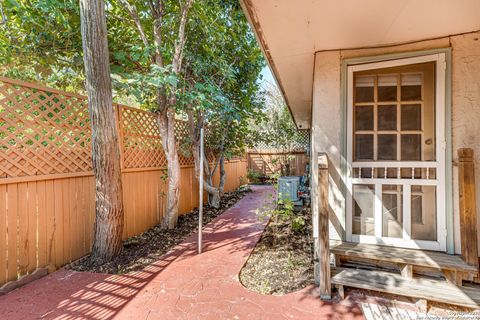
(468, 206)
(323, 247)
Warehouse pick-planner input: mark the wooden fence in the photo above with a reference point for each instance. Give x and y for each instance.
(267, 162)
(47, 195)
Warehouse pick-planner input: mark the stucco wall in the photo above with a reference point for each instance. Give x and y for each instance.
(326, 132)
(327, 124)
(465, 111)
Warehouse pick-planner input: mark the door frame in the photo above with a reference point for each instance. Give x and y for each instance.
(442, 153)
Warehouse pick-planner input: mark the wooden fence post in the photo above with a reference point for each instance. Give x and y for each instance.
(468, 206)
(323, 247)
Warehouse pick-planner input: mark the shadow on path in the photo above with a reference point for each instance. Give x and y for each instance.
(183, 285)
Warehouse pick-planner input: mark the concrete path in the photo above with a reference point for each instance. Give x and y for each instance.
(183, 285)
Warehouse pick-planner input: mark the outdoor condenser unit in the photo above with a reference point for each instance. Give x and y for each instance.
(288, 187)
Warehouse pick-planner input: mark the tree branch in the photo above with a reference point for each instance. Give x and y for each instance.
(158, 13)
(181, 38)
(132, 11)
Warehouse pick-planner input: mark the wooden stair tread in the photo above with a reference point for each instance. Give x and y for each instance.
(423, 258)
(421, 288)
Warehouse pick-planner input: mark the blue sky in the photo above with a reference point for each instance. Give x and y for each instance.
(267, 76)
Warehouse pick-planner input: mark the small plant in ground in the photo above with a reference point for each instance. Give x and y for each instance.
(283, 212)
(286, 211)
(293, 263)
(298, 223)
(265, 287)
(282, 260)
(274, 179)
(245, 188)
(254, 176)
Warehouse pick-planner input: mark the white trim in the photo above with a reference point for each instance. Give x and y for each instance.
(407, 212)
(439, 164)
(349, 204)
(378, 210)
(407, 182)
(398, 242)
(403, 164)
(441, 149)
(396, 63)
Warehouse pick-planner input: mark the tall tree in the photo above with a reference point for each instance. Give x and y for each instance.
(159, 62)
(160, 65)
(105, 143)
(223, 65)
(277, 129)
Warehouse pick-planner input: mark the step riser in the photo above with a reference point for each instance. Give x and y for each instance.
(420, 288)
(389, 257)
(350, 262)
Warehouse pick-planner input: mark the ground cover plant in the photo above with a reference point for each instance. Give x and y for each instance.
(148, 247)
(282, 261)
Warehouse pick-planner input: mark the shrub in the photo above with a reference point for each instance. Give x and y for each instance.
(254, 176)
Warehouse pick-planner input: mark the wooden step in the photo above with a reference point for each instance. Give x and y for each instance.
(422, 258)
(420, 288)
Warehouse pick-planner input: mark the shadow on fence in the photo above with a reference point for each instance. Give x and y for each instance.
(47, 194)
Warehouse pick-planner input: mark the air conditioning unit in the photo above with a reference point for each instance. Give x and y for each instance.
(288, 187)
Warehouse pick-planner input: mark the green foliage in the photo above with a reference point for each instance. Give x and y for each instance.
(223, 65)
(286, 211)
(218, 81)
(293, 263)
(282, 210)
(41, 41)
(254, 176)
(277, 129)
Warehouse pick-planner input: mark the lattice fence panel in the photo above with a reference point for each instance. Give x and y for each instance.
(42, 132)
(301, 141)
(142, 145)
(45, 131)
(182, 134)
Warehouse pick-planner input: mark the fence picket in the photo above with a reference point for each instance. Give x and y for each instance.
(50, 224)
(12, 233)
(32, 226)
(22, 222)
(3, 233)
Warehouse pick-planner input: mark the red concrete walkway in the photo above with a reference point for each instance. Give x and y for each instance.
(183, 285)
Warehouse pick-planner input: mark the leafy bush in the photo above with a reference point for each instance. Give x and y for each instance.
(254, 176)
(286, 211)
(282, 211)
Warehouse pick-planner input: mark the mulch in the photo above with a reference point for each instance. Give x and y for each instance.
(148, 247)
(282, 261)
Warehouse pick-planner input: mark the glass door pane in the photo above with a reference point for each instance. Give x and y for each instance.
(423, 214)
(363, 210)
(392, 213)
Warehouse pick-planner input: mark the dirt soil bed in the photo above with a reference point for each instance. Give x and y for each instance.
(282, 261)
(150, 246)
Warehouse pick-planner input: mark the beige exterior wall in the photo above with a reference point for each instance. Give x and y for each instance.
(326, 114)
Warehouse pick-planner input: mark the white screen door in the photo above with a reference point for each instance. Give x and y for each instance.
(396, 153)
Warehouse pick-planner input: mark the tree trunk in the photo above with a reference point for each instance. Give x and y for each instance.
(223, 175)
(214, 194)
(166, 114)
(166, 125)
(107, 242)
